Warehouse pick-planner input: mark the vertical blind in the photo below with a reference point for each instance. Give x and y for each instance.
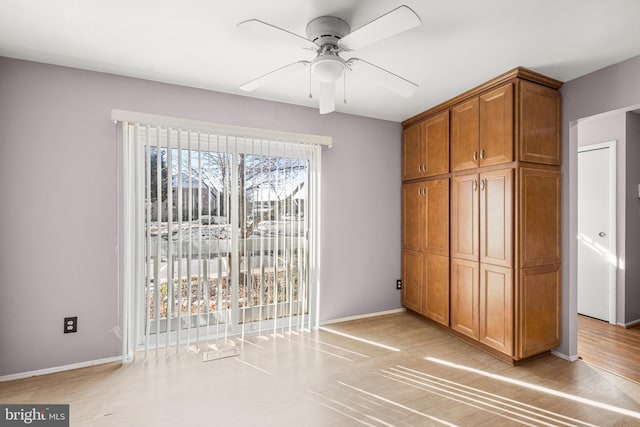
(220, 232)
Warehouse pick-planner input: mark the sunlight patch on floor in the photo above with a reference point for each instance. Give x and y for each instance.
(488, 402)
(595, 404)
(370, 406)
(353, 337)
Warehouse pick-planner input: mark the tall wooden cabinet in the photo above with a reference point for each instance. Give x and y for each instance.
(425, 218)
(501, 230)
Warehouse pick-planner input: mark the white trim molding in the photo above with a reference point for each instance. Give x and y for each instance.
(53, 370)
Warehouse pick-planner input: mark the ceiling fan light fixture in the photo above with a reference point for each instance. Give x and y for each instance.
(328, 68)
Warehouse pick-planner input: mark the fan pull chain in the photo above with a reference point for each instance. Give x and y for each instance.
(344, 89)
(310, 96)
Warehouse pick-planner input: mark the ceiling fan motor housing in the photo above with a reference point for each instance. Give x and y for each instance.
(327, 30)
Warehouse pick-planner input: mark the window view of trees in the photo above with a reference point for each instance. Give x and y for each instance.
(189, 227)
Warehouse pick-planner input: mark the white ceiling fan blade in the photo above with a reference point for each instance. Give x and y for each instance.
(264, 29)
(273, 75)
(383, 77)
(327, 97)
(388, 25)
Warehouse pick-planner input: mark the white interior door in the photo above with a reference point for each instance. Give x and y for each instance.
(597, 258)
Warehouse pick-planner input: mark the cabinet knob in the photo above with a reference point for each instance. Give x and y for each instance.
(482, 183)
(482, 154)
(475, 185)
(475, 155)
(602, 234)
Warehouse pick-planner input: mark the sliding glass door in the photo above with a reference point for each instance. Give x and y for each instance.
(225, 229)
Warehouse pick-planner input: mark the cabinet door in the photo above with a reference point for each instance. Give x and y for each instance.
(413, 216)
(412, 280)
(496, 307)
(539, 307)
(496, 126)
(436, 143)
(436, 292)
(496, 217)
(412, 152)
(464, 217)
(539, 130)
(465, 131)
(465, 297)
(437, 216)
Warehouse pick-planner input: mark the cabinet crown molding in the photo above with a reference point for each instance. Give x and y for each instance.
(516, 73)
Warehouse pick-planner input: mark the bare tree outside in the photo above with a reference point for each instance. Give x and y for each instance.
(198, 184)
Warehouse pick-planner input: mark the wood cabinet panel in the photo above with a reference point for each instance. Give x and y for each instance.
(412, 152)
(539, 131)
(496, 126)
(539, 208)
(436, 140)
(413, 216)
(435, 302)
(465, 135)
(412, 280)
(496, 217)
(465, 296)
(496, 307)
(465, 217)
(539, 307)
(437, 216)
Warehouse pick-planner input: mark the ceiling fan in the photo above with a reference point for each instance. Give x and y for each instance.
(330, 36)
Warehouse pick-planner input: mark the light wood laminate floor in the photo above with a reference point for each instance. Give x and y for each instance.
(610, 347)
(396, 369)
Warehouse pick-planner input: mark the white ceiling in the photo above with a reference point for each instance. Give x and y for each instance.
(460, 44)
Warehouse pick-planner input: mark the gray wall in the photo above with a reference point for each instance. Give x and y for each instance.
(632, 225)
(613, 88)
(602, 129)
(58, 214)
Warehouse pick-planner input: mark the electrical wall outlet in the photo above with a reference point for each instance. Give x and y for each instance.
(70, 324)
(398, 284)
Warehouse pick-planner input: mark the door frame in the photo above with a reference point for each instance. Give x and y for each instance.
(613, 261)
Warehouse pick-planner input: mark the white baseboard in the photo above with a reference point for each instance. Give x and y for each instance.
(28, 374)
(572, 358)
(362, 316)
